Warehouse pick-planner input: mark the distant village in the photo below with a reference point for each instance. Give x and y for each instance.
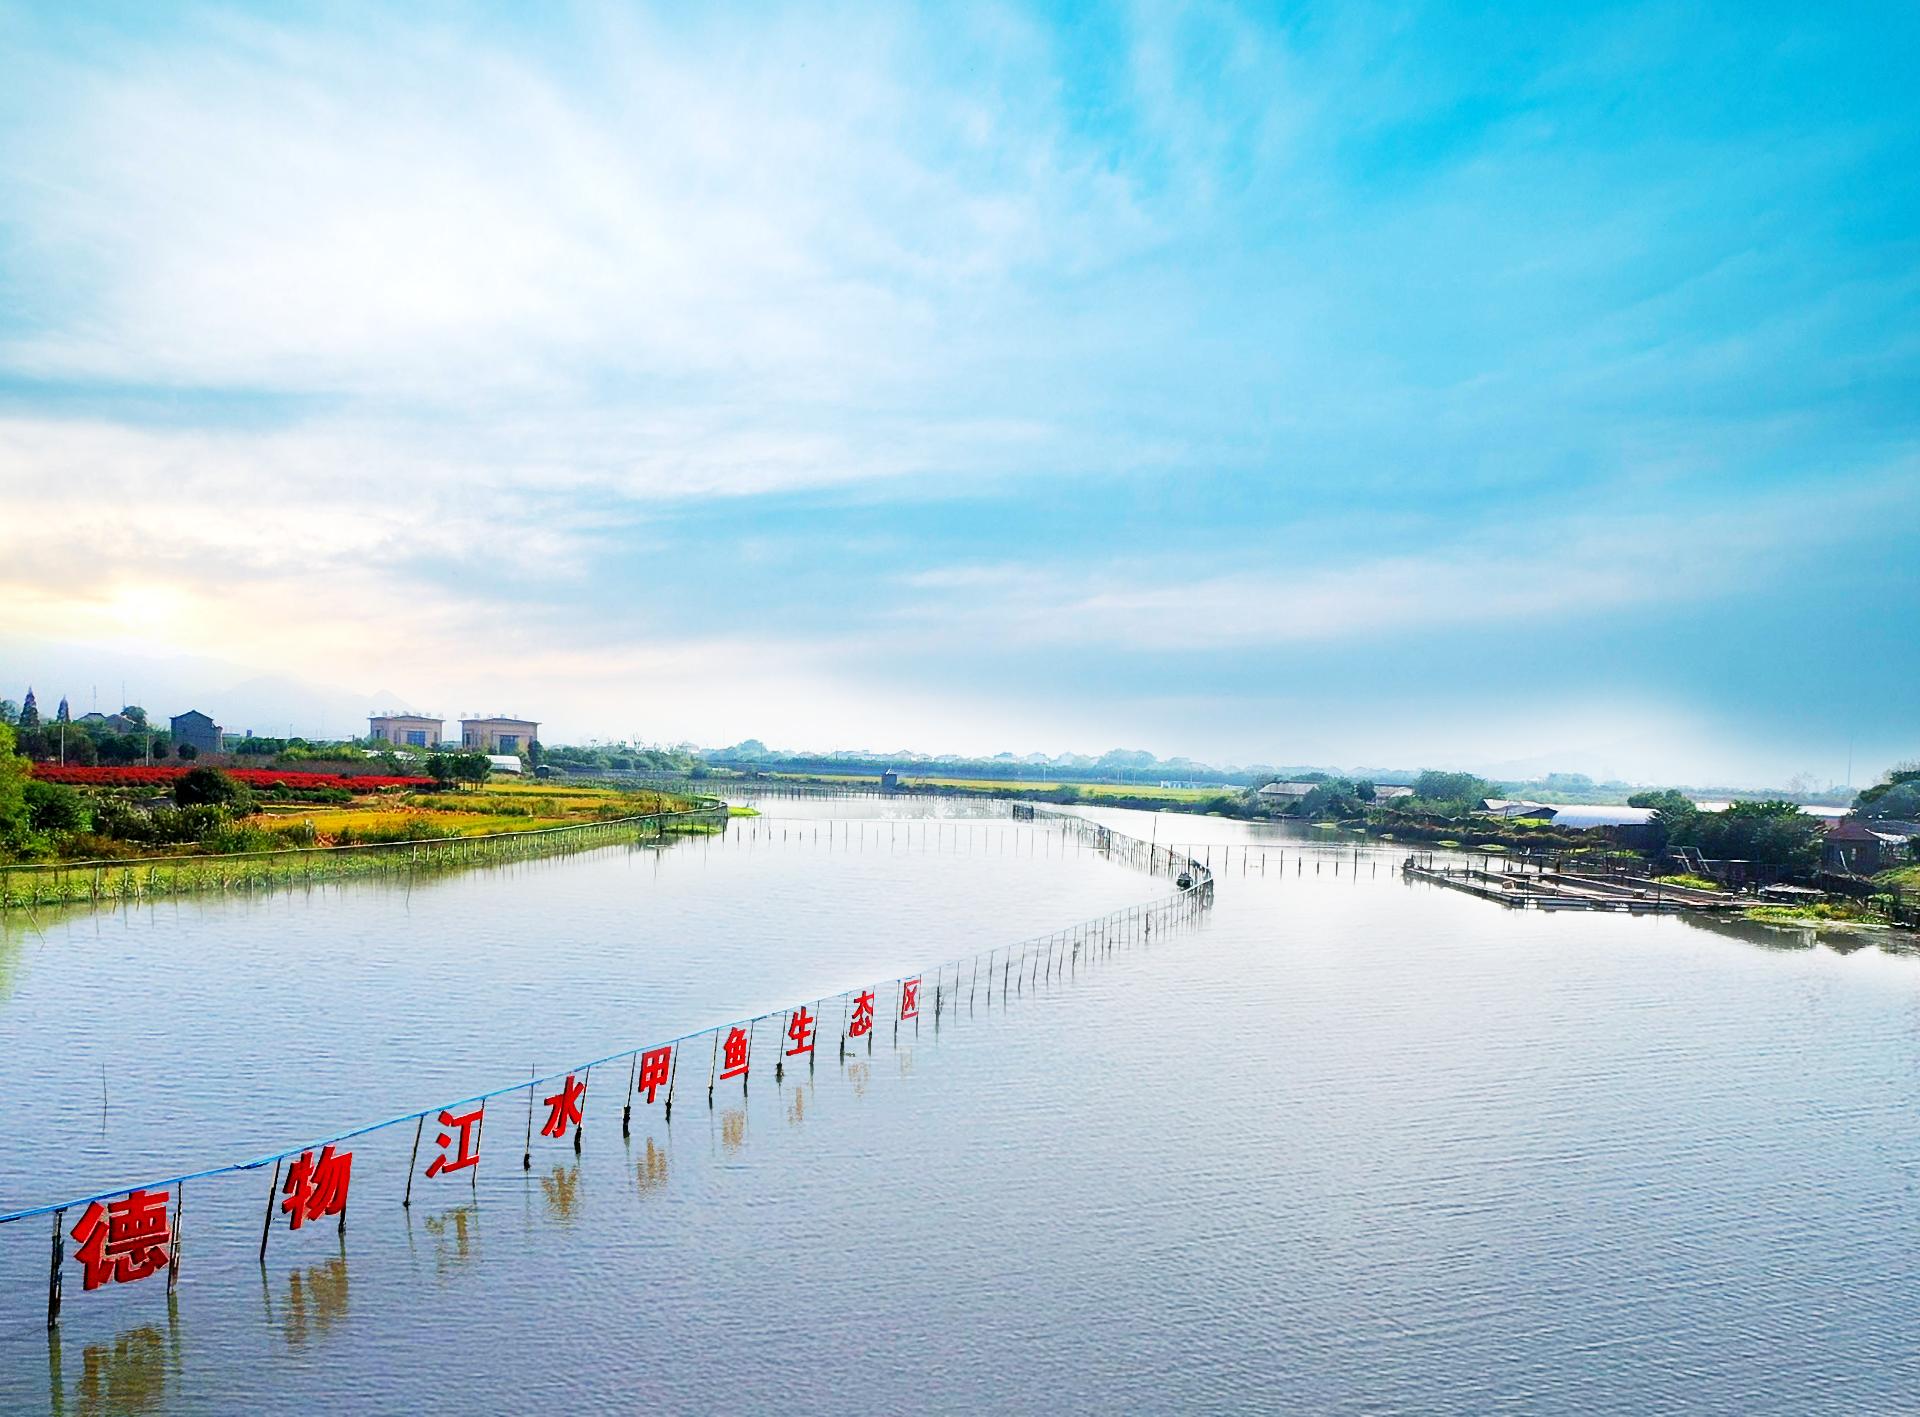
(130, 736)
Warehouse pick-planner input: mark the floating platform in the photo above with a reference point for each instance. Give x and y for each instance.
(1560, 890)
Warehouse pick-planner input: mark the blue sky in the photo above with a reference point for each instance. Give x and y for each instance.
(1357, 385)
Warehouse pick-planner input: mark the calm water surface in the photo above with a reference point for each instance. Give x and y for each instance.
(1351, 1145)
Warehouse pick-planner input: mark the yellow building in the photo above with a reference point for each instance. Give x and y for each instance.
(497, 735)
(407, 730)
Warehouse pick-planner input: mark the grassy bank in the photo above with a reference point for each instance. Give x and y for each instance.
(60, 883)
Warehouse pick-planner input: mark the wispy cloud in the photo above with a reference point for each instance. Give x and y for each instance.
(607, 339)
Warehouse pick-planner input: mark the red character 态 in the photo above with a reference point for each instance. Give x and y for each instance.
(656, 1069)
(469, 1153)
(565, 1105)
(800, 1030)
(125, 1239)
(862, 1015)
(910, 999)
(735, 1049)
(317, 1188)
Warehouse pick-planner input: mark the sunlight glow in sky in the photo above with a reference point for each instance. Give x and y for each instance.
(1352, 385)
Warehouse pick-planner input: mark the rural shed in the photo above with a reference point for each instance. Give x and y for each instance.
(1855, 848)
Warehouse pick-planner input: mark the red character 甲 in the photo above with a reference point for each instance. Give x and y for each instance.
(656, 1068)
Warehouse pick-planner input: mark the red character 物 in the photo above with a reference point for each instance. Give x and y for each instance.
(317, 1188)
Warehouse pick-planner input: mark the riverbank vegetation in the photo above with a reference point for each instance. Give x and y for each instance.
(126, 813)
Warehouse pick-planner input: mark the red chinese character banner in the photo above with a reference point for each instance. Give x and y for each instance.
(800, 1029)
(735, 1054)
(317, 1188)
(656, 1070)
(469, 1150)
(125, 1239)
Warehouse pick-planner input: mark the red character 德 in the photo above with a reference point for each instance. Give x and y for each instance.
(566, 1108)
(910, 999)
(862, 1015)
(469, 1154)
(317, 1188)
(656, 1069)
(123, 1240)
(800, 1030)
(735, 1049)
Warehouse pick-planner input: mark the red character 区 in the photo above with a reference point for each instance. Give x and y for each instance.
(317, 1188)
(125, 1239)
(910, 999)
(469, 1154)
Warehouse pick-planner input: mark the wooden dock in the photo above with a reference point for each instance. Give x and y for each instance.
(1562, 890)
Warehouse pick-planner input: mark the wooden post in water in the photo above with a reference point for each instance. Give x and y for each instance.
(273, 1193)
(173, 1242)
(526, 1157)
(59, 1261)
(580, 1126)
(406, 1201)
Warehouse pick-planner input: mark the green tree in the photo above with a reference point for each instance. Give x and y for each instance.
(15, 773)
(210, 787)
(1766, 833)
(472, 768)
(1452, 791)
(186, 752)
(54, 808)
(442, 768)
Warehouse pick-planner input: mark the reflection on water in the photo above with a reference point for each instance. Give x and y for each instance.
(733, 1130)
(651, 1169)
(453, 1233)
(135, 1372)
(1352, 1145)
(859, 1074)
(562, 1189)
(316, 1299)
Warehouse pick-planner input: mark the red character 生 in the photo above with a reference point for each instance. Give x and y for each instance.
(800, 1030)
